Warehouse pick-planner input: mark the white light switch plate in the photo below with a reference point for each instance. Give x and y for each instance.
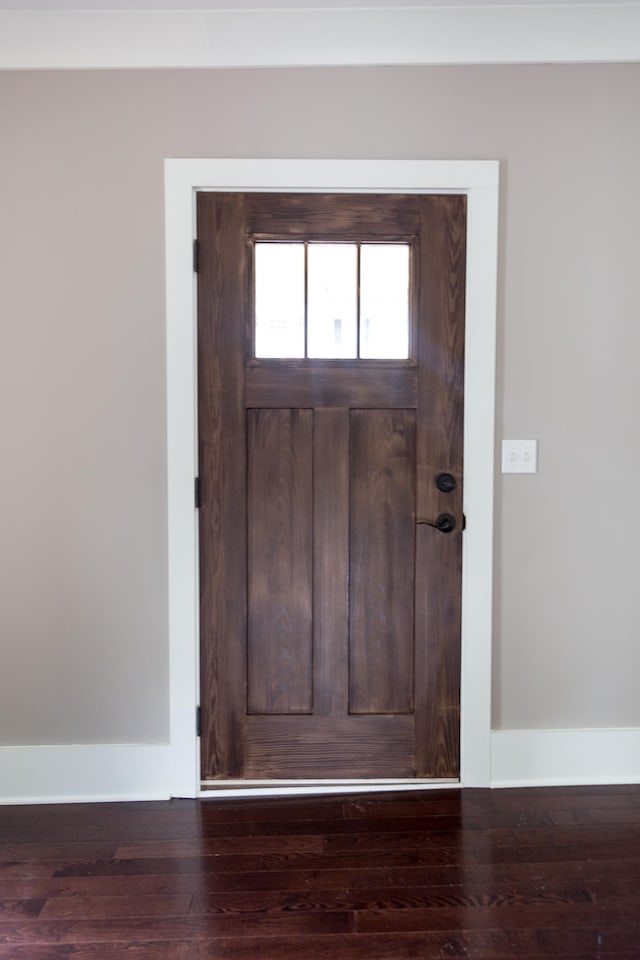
(519, 456)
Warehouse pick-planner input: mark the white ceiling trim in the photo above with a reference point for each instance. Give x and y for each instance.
(235, 5)
(567, 33)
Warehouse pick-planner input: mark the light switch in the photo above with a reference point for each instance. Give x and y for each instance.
(519, 456)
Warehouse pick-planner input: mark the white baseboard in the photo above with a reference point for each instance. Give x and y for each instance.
(537, 758)
(109, 772)
(84, 773)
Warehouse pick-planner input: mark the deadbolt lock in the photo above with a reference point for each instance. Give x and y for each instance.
(446, 482)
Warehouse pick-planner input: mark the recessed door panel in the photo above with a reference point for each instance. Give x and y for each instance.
(280, 561)
(382, 525)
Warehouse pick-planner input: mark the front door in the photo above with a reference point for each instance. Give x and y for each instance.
(330, 398)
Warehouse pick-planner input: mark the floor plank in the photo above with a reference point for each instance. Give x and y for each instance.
(486, 875)
(98, 951)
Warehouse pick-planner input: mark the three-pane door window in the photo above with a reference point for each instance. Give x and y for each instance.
(332, 300)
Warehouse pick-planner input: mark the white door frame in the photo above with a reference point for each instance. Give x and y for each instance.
(479, 181)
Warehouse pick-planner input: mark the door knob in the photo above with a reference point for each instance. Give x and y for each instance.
(445, 523)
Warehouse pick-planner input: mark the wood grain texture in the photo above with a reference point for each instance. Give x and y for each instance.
(223, 344)
(331, 561)
(312, 528)
(348, 746)
(300, 216)
(440, 449)
(444, 873)
(381, 638)
(319, 383)
(280, 537)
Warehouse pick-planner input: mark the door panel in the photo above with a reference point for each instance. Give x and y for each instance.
(383, 464)
(280, 568)
(330, 604)
(312, 747)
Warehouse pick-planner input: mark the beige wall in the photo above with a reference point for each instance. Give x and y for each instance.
(83, 618)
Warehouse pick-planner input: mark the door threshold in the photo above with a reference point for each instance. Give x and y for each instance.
(296, 788)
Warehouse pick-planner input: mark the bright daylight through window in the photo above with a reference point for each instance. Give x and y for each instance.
(332, 300)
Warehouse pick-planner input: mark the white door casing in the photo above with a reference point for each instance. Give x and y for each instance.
(479, 181)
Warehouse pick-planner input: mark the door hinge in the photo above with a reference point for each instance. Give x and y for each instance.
(198, 721)
(196, 256)
(196, 492)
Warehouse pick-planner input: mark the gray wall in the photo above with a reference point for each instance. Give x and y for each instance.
(83, 555)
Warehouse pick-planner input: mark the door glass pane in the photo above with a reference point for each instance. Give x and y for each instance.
(384, 301)
(332, 300)
(279, 312)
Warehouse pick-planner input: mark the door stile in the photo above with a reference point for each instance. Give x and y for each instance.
(222, 347)
(440, 450)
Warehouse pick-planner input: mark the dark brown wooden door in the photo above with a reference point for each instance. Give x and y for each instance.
(330, 606)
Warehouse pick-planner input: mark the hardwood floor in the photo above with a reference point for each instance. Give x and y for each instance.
(522, 874)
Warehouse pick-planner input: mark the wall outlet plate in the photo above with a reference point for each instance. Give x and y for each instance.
(519, 456)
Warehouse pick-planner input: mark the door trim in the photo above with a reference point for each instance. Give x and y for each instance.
(479, 181)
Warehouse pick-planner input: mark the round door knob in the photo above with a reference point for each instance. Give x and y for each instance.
(446, 482)
(445, 523)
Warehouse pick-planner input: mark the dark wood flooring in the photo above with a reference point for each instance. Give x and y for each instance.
(476, 874)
